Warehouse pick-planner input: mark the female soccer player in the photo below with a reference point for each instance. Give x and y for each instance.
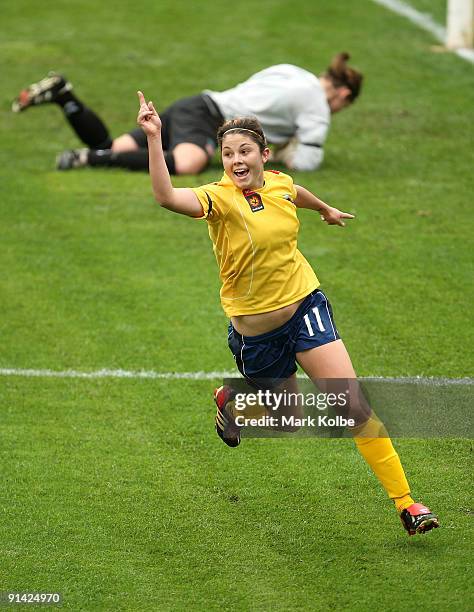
(278, 316)
(292, 104)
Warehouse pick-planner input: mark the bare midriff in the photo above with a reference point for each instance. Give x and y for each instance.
(254, 325)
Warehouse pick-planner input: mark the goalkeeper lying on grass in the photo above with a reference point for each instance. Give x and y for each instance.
(278, 315)
(294, 106)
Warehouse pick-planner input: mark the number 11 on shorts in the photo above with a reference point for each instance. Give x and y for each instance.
(318, 321)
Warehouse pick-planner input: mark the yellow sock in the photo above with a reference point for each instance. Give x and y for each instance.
(384, 461)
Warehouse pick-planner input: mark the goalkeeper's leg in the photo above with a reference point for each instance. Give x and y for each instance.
(56, 89)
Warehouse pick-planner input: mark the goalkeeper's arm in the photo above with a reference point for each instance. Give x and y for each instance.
(299, 156)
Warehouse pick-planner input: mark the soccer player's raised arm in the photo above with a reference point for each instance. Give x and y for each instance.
(332, 216)
(183, 201)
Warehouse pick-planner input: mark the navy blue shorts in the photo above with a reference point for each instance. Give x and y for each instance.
(267, 359)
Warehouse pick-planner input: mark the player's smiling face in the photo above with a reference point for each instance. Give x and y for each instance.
(243, 161)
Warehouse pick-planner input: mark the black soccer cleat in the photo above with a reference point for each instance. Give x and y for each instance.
(417, 518)
(44, 91)
(74, 158)
(226, 428)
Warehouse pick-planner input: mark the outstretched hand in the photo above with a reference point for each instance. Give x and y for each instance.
(148, 119)
(333, 216)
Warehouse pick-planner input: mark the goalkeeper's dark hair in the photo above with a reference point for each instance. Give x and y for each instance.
(243, 125)
(341, 75)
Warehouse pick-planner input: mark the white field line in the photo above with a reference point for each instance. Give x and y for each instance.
(152, 375)
(106, 373)
(424, 21)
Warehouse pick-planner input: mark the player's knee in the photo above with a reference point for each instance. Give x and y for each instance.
(189, 159)
(124, 143)
(190, 166)
(357, 409)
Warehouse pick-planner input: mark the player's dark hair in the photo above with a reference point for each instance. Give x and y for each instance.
(243, 125)
(341, 75)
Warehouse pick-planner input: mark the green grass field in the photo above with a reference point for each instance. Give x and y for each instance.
(116, 492)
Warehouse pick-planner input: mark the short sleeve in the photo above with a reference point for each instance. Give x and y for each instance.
(289, 185)
(207, 200)
(294, 193)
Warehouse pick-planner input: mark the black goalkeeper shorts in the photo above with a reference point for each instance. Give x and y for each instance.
(195, 119)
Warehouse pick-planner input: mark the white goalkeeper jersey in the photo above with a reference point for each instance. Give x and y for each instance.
(290, 103)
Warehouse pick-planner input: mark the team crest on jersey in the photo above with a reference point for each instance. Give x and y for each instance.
(254, 200)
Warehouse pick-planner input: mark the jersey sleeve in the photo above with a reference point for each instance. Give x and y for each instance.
(299, 156)
(307, 157)
(313, 120)
(209, 200)
(312, 126)
(288, 184)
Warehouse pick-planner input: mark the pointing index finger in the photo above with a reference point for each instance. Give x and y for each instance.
(141, 98)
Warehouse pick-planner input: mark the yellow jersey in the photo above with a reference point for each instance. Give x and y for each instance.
(254, 236)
